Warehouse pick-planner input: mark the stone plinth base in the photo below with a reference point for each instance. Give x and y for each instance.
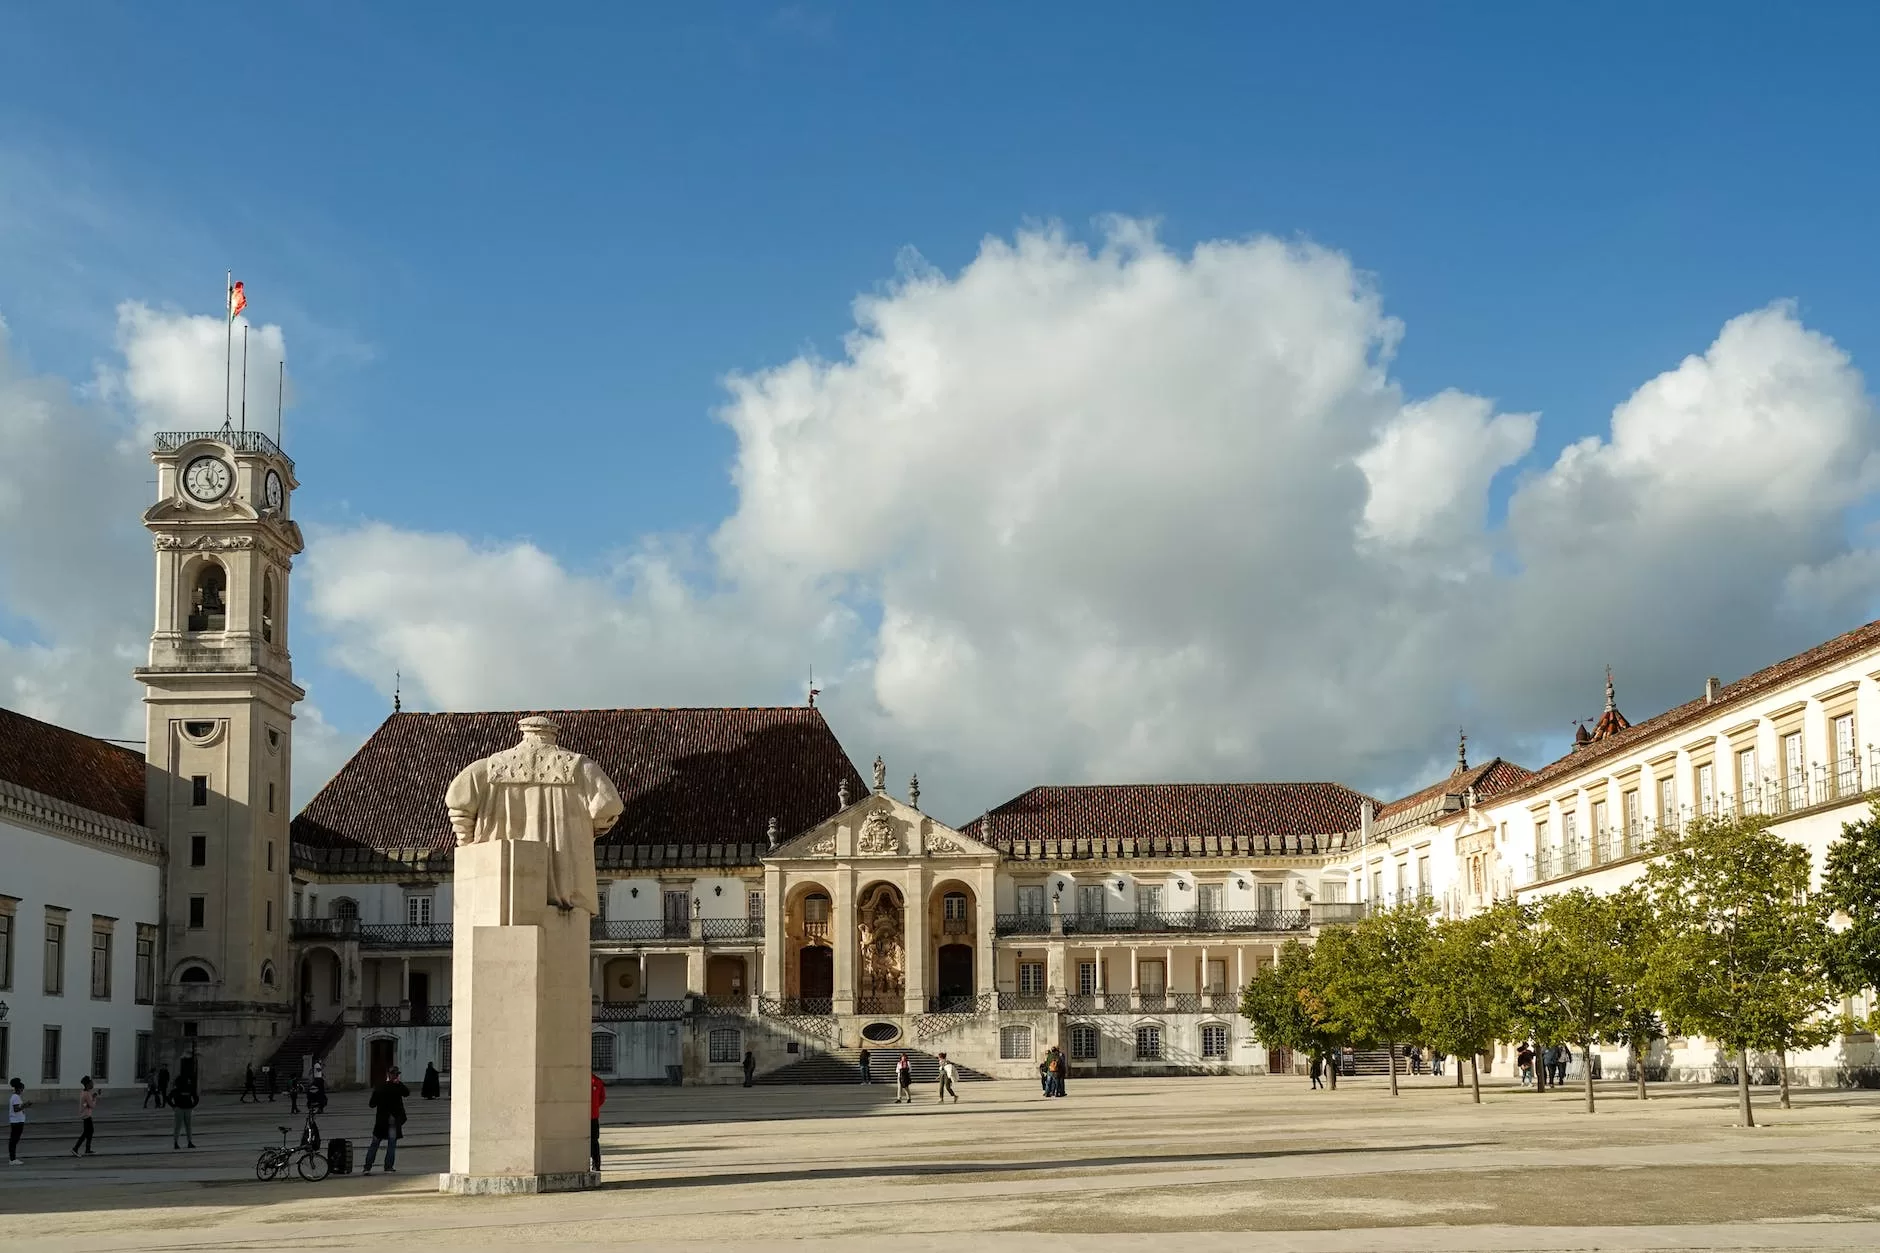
(517, 1185)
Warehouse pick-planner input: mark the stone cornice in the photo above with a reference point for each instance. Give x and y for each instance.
(28, 808)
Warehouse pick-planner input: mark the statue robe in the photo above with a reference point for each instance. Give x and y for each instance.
(538, 791)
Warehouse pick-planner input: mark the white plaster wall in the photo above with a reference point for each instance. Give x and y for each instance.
(42, 870)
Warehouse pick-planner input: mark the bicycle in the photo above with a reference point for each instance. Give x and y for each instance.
(306, 1159)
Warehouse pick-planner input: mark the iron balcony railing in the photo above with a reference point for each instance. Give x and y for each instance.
(374, 934)
(732, 928)
(880, 1005)
(240, 441)
(796, 1006)
(404, 1016)
(639, 1011)
(1023, 1001)
(1144, 921)
(955, 926)
(639, 929)
(983, 1003)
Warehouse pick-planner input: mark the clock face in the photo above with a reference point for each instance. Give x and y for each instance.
(272, 490)
(208, 478)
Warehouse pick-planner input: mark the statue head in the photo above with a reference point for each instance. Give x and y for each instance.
(538, 728)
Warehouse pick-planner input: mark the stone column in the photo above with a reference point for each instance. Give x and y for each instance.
(695, 969)
(772, 982)
(1101, 955)
(1135, 979)
(1054, 982)
(914, 932)
(842, 922)
(1201, 978)
(986, 907)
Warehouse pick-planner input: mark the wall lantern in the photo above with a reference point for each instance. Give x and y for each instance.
(718, 889)
(1241, 884)
(3, 1011)
(634, 893)
(1182, 884)
(1119, 885)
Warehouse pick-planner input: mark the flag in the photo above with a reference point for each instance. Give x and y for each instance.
(237, 301)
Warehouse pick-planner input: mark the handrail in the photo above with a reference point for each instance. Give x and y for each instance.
(240, 441)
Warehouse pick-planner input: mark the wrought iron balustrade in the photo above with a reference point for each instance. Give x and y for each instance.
(1023, 1001)
(724, 1004)
(240, 441)
(1184, 1002)
(1022, 924)
(404, 1016)
(1080, 1003)
(639, 1011)
(980, 1004)
(1153, 1002)
(641, 929)
(955, 926)
(796, 1006)
(731, 928)
(880, 1005)
(405, 935)
(325, 928)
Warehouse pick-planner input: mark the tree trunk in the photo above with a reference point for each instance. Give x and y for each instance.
(1586, 1064)
(1638, 1068)
(1475, 1080)
(1742, 1087)
(1458, 1062)
(1782, 1061)
(1331, 1069)
(1390, 1057)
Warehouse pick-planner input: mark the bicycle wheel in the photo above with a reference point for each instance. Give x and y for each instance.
(312, 1166)
(270, 1164)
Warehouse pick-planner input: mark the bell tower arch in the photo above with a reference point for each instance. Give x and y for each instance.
(219, 697)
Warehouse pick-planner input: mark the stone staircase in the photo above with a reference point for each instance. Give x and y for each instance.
(845, 1066)
(302, 1048)
(1377, 1061)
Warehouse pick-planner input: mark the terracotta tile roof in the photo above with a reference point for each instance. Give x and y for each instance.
(1176, 818)
(1821, 657)
(76, 769)
(701, 777)
(1489, 779)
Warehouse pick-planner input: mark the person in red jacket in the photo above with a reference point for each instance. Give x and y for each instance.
(597, 1097)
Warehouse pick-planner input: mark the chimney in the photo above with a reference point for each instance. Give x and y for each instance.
(1364, 822)
(1713, 688)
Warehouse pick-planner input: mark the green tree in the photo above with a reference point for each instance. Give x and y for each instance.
(1460, 1002)
(1372, 988)
(1634, 943)
(1592, 979)
(1850, 889)
(1742, 951)
(1285, 1009)
(1526, 964)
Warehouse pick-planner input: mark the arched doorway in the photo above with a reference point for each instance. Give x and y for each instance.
(816, 973)
(953, 974)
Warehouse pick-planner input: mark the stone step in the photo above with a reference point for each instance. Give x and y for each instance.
(845, 1066)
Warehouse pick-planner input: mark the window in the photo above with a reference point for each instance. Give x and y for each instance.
(1745, 773)
(1631, 812)
(208, 599)
(953, 910)
(193, 974)
(601, 1055)
(1214, 1041)
(1794, 776)
(49, 1055)
(100, 963)
(198, 850)
(1208, 899)
(1599, 819)
(1333, 890)
(1014, 1044)
(1091, 900)
(1377, 884)
(55, 958)
(268, 907)
(1148, 1044)
(1270, 897)
(1148, 898)
(1403, 881)
(1031, 978)
(1217, 976)
(1031, 901)
(267, 974)
(443, 1055)
(678, 906)
(300, 903)
(1423, 877)
(344, 907)
(267, 615)
(725, 1046)
(1846, 778)
(1667, 802)
(1152, 977)
(6, 956)
(1086, 978)
(270, 851)
(1706, 789)
(1569, 829)
(815, 908)
(418, 909)
(754, 906)
(189, 1029)
(1083, 1043)
(198, 908)
(198, 790)
(142, 1058)
(270, 810)
(100, 1056)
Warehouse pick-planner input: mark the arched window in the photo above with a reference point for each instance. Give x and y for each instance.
(193, 974)
(267, 607)
(345, 907)
(267, 974)
(208, 598)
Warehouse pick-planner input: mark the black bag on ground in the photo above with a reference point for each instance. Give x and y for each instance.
(339, 1156)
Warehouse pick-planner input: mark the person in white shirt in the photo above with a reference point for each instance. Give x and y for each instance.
(16, 1121)
(947, 1077)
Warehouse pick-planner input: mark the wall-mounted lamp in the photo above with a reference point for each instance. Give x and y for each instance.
(3, 1011)
(718, 889)
(1182, 884)
(1241, 884)
(1119, 885)
(634, 893)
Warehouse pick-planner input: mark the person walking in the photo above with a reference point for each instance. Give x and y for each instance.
(151, 1090)
(1055, 1060)
(750, 1068)
(388, 1123)
(163, 1086)
(1561, 1059)
(17, 1105)
(182, 1103)
(1524, 1062)
(431, 1086)
(87, 1105)
(866, 1077)
(1436, 1064)
(268, 1078)
(903, 1081)
(248, 1086)
(948, 1075)
(1318, 1069)
(597, 1097)
(294, 1090)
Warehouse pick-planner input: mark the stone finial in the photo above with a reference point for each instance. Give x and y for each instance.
(881, 776)
(1462, 750)
(398, 683)
(1611, 704)
(770, 834)
(842, 794)
(913, 791)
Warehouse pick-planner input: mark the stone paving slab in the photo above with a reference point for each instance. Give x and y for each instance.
(1119, 1164)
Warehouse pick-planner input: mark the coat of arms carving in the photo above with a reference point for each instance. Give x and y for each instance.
(878, 835)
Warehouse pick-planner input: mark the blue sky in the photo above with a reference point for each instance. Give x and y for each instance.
(474, 221)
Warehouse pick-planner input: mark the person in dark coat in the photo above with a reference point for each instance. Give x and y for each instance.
(430, 1087)
(865, 1075)
(163, 1086)
(388, 1099)
(750, 1068)
(1318, 1070)
(248, 1085)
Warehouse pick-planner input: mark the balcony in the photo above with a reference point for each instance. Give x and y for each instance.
(1214, 922)
(643, 930)
(796, 1007)
(404, 1016)
(373, 935)
(639, 1011)
(732, 928)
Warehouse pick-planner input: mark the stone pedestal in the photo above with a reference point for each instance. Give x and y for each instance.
(521, 1017)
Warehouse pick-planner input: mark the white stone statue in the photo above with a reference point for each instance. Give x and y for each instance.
(541, 792)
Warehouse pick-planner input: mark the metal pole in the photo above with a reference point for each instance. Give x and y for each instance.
(228, 340)
(244, 376)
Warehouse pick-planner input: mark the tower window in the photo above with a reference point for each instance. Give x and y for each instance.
(270, 803)
(198, 910)
(193, 974)
(198, 790)
(267, 607)
(208, 600)
(198, 850)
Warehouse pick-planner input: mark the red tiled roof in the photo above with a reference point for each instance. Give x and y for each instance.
(1174, 811)
(1489, 779)
(697, 776)
(1820, 657)
(74, 768)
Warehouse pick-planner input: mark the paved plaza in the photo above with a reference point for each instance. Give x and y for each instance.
(1119, 1164)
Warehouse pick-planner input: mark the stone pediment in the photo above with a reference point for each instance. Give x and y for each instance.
(880, 826)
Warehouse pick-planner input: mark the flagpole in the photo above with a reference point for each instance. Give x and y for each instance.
(244, 376)
(228, 341)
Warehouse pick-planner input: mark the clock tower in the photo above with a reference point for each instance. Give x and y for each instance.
(219, 698)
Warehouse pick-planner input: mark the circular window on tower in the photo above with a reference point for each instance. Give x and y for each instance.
(202, 731)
